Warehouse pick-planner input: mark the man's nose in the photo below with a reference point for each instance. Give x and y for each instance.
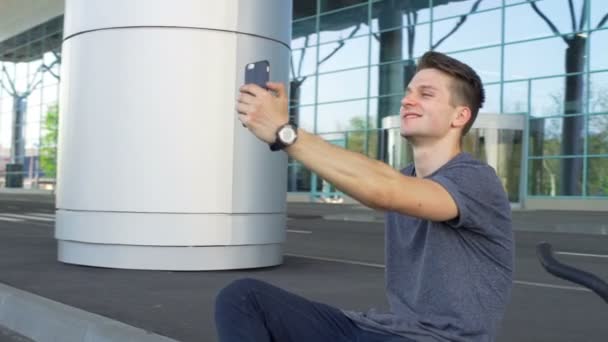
(408, 100)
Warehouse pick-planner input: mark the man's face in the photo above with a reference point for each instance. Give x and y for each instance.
(426, 109)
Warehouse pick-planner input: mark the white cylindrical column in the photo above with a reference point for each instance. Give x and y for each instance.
(154, 169)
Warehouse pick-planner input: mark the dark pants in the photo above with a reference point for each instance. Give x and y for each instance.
(252, 310)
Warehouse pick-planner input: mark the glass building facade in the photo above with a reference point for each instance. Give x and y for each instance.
(544, 63)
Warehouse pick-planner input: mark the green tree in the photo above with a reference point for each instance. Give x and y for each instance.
(48, 143)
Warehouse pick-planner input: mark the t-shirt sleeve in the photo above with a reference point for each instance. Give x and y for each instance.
(478, 193)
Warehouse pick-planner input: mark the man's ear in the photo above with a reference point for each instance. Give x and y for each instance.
(463, 115)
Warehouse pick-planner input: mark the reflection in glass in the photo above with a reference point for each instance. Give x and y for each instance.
(340, 117)
(343, 85)
(302, 9)
(412, 12)
(303, 33)
(492, 103)
(547, 96)
(298, 178)
(527, 60)
(597, 140)
(456, 34)
(546, 177)
(400, 44)
(332, 5)
(598, 102)
(486, 62)
(535, 26)
(454, 8)
(597, 49)
(344, 24)
(344, 54)
(597, 177)
(302, 90)
(303, 62)
(501, 149)
(515, 97)
(547, 137)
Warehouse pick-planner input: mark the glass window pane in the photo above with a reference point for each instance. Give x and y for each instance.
(343, 85)
(598, 103)
(515, 97)
(344, 54)
(412, 12)
(344, 24)
(486, 63)
(303, 9)
(599, 45)
(453, 8)
(597, 139)
(597, 177)
(302, 91)
(467, 34)
(303, 62)
(355, 138)
(395, 45)
(549, 137)
(50, 94)
(527, 60)
(492, 103)
(599, 8)
(298, 178)
(549, 96)
(339, 117)
(300, 30)
(305, 117)
(555, 177)
(381, 107)
(331, 5)
(390, 78)
(557, 12)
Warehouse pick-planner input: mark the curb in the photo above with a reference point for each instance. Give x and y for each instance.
(44, 320)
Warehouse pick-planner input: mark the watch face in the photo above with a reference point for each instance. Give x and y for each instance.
(287, 135)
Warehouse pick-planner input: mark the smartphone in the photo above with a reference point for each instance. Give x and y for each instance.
(257, 73)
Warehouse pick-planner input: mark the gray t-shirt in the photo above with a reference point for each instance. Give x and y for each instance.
(449, 281)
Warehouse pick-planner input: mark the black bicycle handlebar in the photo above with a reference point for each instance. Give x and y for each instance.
(544, 252)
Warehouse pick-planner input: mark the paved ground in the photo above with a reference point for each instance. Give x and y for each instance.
(7, 335)
(327, 259)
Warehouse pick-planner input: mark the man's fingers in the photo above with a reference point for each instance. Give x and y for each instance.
(243, 118)
(246, 98)
(279, 88)
(253, 89)
(243, 108)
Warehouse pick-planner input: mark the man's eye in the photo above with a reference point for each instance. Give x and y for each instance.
(427, 94)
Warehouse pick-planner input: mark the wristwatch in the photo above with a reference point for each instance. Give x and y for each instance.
(286, 136)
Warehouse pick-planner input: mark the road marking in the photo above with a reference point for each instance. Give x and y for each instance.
(10, 219)
(583, 254)
(299, 231)
(42, 215)
(28, 217)
(368, 264)
(562, 287)
(343, 261)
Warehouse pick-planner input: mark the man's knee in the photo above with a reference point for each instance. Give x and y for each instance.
(237, 292)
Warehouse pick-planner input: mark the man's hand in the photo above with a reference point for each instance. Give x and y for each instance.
(261, 112)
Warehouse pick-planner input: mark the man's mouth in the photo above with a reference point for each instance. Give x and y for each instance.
(411, 115)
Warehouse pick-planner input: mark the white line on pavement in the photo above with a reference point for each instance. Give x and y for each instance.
(28, 217)
(42, 215)
(299, 231)
(10, 219)
(562, 287)
(583, 254)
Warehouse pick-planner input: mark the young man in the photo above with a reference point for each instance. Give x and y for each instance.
(449, 243)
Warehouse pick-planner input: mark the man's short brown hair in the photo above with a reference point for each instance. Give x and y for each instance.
(467, 88)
